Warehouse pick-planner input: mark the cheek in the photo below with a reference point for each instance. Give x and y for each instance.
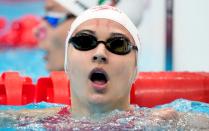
(78, 64)
(123, 72)
(75, 62)
(124, 66)
(76, 71)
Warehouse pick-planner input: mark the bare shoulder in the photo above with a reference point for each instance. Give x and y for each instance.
(36, 113)
(195, 120)
(188, 119)
(166, 114)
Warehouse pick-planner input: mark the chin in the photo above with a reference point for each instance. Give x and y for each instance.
(98, 99)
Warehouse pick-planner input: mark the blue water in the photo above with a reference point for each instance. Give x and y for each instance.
(181, 105)
(40, 105)
(187, 106)
(28, 62)
(14, 10)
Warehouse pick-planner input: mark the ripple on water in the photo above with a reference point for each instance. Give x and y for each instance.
(137, 119)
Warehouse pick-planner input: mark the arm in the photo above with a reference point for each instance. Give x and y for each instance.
(39, 112)
(185, 120)
(166, 114)
(195, 120)
(36, 113)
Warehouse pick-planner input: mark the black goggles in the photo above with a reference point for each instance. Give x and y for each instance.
(118, 45)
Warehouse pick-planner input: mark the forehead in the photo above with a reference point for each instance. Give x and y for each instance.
(104, 25)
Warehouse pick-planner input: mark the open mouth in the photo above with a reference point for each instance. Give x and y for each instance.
(99, 78)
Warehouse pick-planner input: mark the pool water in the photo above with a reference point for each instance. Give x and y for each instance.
(138, 119)
(12, 9)
(28, 62)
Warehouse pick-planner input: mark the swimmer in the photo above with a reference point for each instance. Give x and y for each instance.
(61, 13)
(101, 63)
(51, 34)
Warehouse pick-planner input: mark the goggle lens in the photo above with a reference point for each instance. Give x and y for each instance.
(53, 21)
(54, 18)
(116, 45)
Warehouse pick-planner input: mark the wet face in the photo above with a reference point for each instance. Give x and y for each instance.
(51, 39)
(100, 78)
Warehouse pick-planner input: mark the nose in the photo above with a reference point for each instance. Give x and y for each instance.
(100, 55)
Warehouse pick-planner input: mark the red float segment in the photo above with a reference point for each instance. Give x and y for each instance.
(2, 92)
(158, 88)
(41, 93)
(13, 84)
(206, 85)
(21, 33)
(16, 90)
(2, 22)
(28, 23)
(60, 80)
(150, 89)
(54, 89)
(28, 92)
(132, 94)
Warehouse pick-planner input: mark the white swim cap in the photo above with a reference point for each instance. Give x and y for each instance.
(76, 7)
(106, 12)
(132, 8)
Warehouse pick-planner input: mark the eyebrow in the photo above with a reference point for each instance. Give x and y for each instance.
(119, 35)
(87, 31)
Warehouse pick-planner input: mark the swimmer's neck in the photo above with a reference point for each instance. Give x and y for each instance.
(81, 110)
